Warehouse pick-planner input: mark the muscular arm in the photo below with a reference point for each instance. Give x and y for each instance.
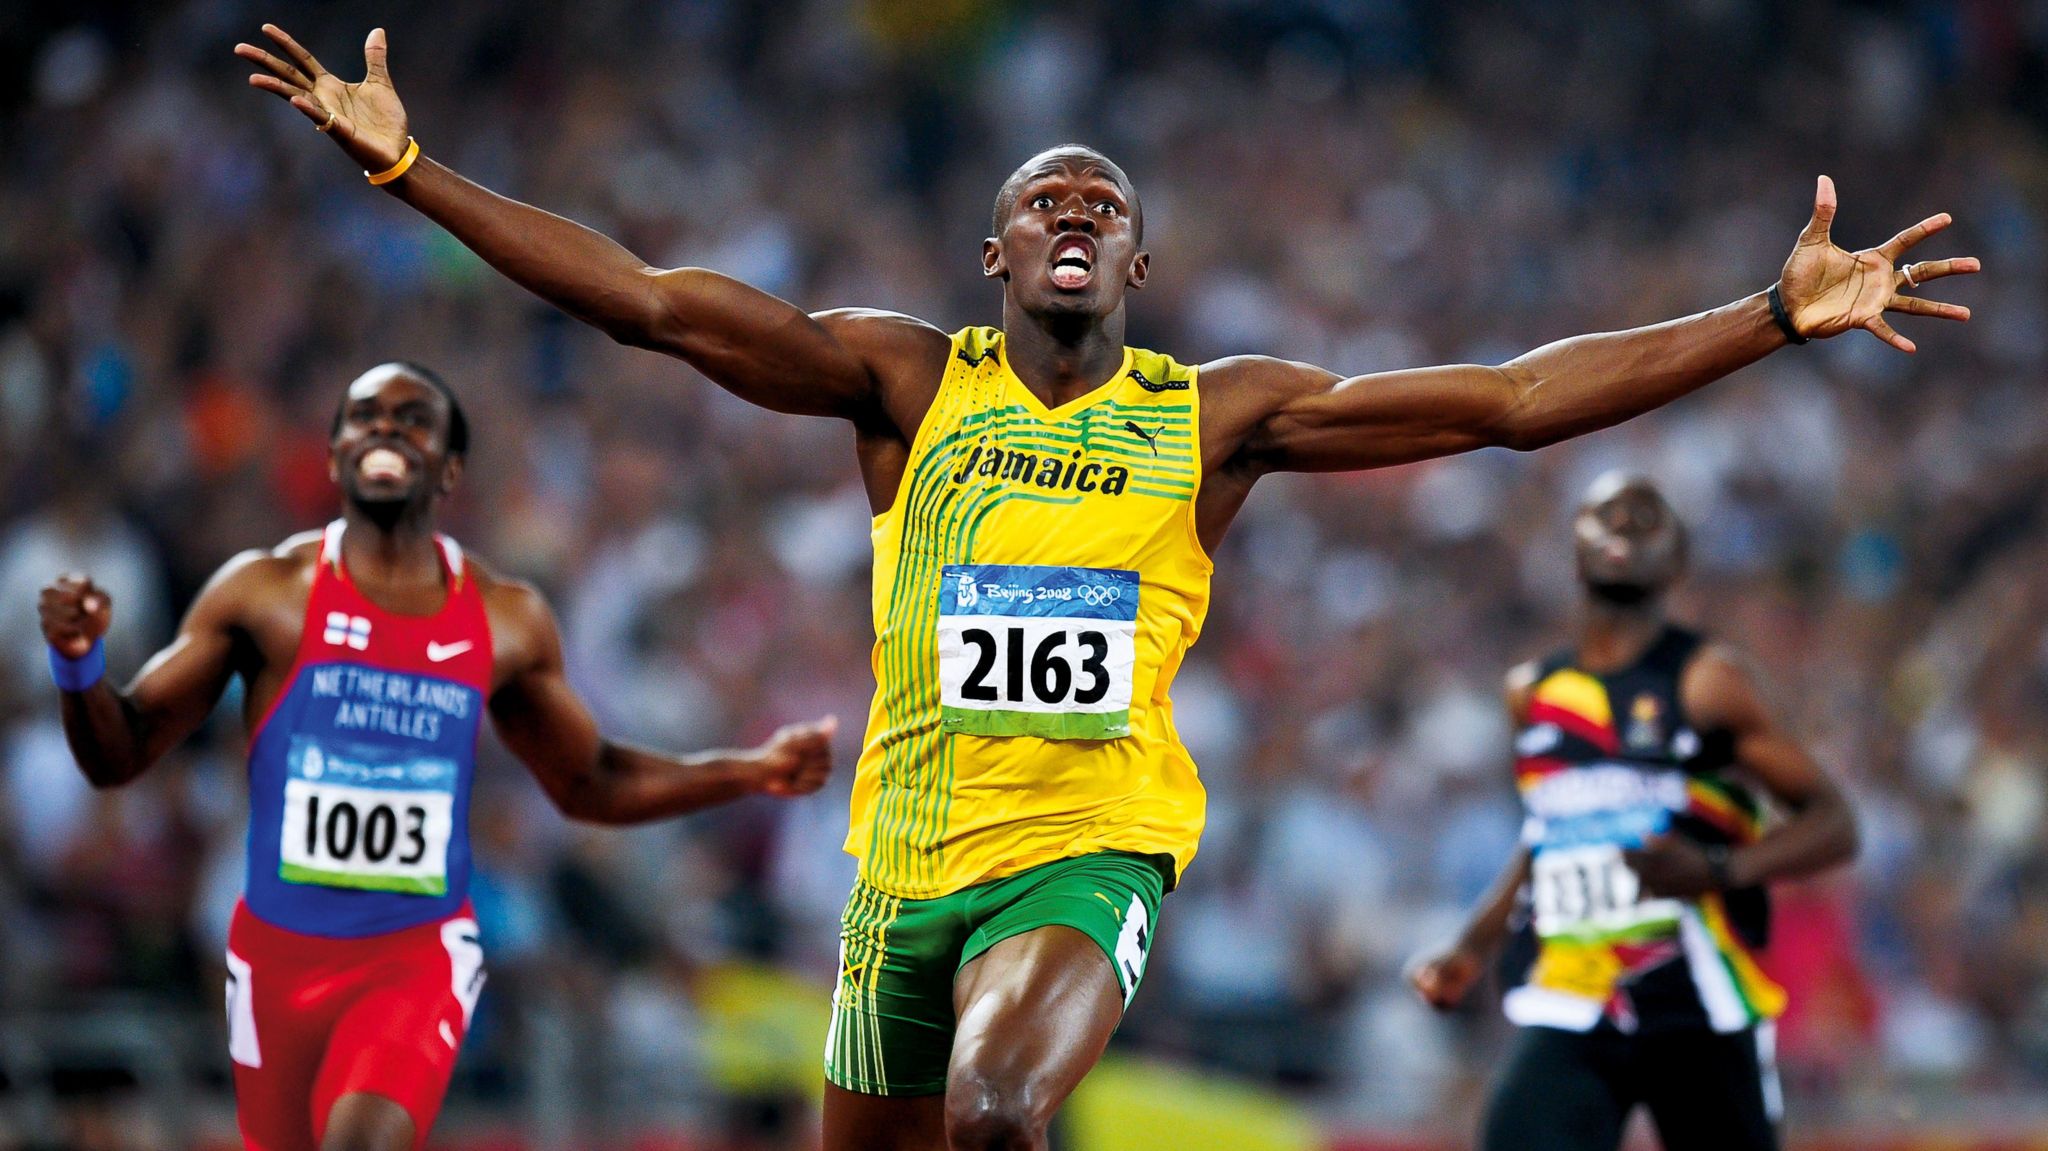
(1719, 693)
(1326, 423)
(590, 778)
(1283, 416)
(115, 734)
(762, 349)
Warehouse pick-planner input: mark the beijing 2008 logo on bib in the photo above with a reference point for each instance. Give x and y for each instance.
(367, 817)
(1028, 649)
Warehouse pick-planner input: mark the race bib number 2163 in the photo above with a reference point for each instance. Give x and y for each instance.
(1037, 650)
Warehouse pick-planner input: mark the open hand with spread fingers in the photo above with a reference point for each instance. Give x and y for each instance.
(1828, 291)
(366, 119)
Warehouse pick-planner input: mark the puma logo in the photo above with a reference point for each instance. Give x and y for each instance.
(1151, 439)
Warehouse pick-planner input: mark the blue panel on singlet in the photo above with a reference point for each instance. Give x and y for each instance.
(359, 789)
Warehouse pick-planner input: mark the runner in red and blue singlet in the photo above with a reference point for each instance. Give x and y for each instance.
(371, 653)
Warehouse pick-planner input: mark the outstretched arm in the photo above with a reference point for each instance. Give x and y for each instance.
(1720, 694)
(1309, 419)
(545, 724)
(116, 734)
(761, 348)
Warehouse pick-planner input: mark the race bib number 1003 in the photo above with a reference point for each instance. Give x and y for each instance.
(367, 818)
(1037, 650)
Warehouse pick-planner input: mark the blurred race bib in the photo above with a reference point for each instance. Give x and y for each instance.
(1589, 892)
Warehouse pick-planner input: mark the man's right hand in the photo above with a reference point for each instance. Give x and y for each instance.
(75, 614)
(366, 119)
(1444, 979)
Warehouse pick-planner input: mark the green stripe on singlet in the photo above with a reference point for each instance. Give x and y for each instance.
(929, 751)
(1137, 463)
(943, 792)
(1110, 426)
(934, 512)
(1122, 446)
(1118, 446)
(940, 524)
(925, 811)
(921, 758)
(927, 503)
(917, 506)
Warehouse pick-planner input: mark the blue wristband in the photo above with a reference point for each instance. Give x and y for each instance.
(81, 673)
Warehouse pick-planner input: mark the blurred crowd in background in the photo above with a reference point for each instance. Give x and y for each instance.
(189, 276)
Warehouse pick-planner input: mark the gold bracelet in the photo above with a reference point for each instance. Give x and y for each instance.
(412, 152)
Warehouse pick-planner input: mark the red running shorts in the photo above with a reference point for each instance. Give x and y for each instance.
(311, 1019)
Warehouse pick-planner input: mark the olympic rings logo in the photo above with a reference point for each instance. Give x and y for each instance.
(1100, 595)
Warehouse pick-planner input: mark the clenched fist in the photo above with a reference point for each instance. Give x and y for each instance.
(76, 613)
(797, 759)
(1444, 979)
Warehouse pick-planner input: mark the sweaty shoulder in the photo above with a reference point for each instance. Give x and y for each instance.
(1240, 393)
(905, 356)
(1720, 688)
(259, 594)
(523, 631)
(258, 576)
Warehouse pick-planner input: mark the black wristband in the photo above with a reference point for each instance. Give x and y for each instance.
(1783, 317)
(1717, 865)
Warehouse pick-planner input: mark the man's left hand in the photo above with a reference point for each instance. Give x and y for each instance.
(1828, 291)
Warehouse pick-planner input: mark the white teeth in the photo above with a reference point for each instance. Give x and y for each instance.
(383, 463)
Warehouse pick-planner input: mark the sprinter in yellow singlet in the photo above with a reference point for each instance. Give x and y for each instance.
(1046, 501)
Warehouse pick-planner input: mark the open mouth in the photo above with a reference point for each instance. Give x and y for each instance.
(1072, 264)
(383, 464)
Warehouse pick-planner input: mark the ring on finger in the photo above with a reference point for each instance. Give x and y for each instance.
(333, 115)
(1907, 272)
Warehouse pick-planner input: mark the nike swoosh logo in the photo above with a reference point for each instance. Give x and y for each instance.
(437, 652)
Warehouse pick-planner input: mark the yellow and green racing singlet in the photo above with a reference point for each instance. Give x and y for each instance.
(1037, 583)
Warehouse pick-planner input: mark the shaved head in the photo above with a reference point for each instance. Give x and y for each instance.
(1077, 155)
(1610, 484)
(1631, 544)
(458, 423)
